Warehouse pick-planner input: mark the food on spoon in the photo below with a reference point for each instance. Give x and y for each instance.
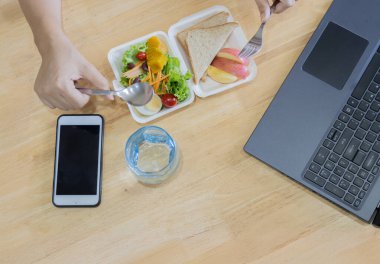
(231, 54)
(204, 44)
(214, 20)
(169, 100)
(232, 67)
(220, 75)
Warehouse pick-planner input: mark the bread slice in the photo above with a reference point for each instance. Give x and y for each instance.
(203, 45)
(214, 20)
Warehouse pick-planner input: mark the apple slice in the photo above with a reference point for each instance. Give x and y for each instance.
(220, 76)
(231, 54)
(236, 69)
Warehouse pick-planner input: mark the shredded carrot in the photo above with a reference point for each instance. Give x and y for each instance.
(150, 75)
(161, 91)
(156, 85)
(159, 80)
(163, 86)
(164, 77)
(156, 80)
(164, 82)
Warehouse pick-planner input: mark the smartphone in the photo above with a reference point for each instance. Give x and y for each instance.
(78, 161)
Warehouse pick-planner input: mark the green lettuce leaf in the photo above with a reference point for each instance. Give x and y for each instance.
(177, 83)
(129, 55)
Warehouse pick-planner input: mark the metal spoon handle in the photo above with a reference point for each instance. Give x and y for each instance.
(96, 92)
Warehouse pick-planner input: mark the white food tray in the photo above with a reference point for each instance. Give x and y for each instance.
(236, 40)
(115, 56)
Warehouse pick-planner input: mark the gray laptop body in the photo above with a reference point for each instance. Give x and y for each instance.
(341, 58)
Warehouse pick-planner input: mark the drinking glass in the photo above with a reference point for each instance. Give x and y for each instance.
(151, 154)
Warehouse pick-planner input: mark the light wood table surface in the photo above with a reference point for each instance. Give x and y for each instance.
(223, 206)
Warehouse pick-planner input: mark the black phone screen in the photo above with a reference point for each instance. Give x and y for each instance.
(78, 160)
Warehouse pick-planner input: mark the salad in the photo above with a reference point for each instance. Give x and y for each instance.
(150, 62)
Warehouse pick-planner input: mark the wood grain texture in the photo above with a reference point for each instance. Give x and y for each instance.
(222, 207)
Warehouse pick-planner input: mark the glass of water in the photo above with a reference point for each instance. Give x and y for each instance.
(151, 154)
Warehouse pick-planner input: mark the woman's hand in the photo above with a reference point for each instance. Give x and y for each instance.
(278, 7)
(62, 65)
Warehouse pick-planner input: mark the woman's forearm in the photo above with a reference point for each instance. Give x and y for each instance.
(44, 18)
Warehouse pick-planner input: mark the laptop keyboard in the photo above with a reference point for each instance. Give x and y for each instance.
(347, 161)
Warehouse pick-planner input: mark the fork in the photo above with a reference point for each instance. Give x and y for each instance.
(254, 45)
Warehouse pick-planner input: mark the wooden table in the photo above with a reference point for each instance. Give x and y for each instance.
(223, 207)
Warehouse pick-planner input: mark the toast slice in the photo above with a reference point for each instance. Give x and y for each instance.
(203, 45)
(214, 20)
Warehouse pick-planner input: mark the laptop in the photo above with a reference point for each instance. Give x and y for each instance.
(322, 129)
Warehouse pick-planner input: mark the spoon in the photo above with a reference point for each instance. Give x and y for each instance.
(138, 94)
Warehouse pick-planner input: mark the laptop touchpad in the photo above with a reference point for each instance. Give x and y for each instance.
(335, 55)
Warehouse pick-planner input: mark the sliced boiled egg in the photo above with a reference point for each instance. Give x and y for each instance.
(152, 107)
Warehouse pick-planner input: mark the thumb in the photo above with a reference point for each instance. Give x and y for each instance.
(264, 9)
(91, 74)
(283, 5)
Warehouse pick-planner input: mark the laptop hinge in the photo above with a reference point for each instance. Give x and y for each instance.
(376, 218)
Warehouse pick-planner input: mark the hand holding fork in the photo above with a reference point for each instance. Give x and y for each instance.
(255, 43)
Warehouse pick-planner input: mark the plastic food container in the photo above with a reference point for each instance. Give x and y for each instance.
(115, 56)
(236, 40)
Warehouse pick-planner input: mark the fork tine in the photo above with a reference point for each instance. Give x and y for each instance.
(248, 52)
(245, 51)
(241, 54)
(242, 51)
(254, 44)
(251, 51)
